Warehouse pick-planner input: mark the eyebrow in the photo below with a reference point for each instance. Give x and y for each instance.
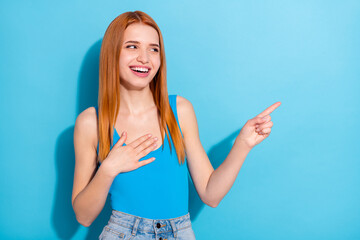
(151, 44)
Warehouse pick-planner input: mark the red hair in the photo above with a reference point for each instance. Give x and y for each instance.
(109, 85)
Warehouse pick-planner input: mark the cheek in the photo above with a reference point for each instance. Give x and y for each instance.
(156, 62)
(124, 62)
(124, 59)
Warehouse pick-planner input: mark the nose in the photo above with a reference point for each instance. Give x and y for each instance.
(143, 57)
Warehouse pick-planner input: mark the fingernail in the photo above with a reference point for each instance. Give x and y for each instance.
(123, 133)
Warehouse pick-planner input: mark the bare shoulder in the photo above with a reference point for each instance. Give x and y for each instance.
(186, 114)
(182, 102)
(184, 106)
(86, 127)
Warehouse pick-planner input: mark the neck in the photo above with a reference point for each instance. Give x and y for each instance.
(135, 102)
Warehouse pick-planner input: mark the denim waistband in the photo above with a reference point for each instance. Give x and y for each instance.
(147, 225)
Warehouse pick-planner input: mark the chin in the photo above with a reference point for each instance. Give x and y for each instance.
(135, 85)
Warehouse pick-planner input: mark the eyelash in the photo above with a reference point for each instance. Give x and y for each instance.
(135, 46)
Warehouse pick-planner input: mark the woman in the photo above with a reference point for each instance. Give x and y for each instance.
(146, 178)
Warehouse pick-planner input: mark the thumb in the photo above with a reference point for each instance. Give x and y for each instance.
(122, 139)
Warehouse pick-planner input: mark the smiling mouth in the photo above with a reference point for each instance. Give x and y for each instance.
(140, 69)
(140, 72)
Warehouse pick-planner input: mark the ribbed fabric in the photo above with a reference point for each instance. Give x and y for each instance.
(158, 190)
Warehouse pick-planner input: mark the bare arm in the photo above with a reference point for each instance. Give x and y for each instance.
(91, 187)
(198, 162)
(252, 133)
(211, 185)
(222, 179)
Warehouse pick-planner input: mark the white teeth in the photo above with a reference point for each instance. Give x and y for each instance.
(140, 69)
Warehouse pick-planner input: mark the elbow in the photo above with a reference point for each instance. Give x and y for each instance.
(81, 219)
(212, 204)
(83, 222)
(86, 224)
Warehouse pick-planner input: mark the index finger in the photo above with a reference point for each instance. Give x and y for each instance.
(138, 141)
(269, 109)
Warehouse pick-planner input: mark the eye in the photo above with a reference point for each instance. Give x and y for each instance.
(130, 46)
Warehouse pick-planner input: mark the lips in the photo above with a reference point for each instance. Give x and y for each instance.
(140, 66)
(140, 74)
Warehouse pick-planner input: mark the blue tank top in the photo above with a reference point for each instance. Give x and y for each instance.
(158, 190)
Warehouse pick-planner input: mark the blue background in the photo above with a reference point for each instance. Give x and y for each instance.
(231, 59)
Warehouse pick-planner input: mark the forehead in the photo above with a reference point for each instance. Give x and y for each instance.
(142, 33)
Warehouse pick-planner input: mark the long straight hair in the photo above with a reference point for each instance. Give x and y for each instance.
(109, 85)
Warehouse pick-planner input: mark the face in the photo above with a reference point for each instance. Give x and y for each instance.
(140, 56)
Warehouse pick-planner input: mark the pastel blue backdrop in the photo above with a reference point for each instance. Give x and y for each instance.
(231, 59)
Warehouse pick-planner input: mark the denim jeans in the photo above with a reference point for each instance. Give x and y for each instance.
(130, 227)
